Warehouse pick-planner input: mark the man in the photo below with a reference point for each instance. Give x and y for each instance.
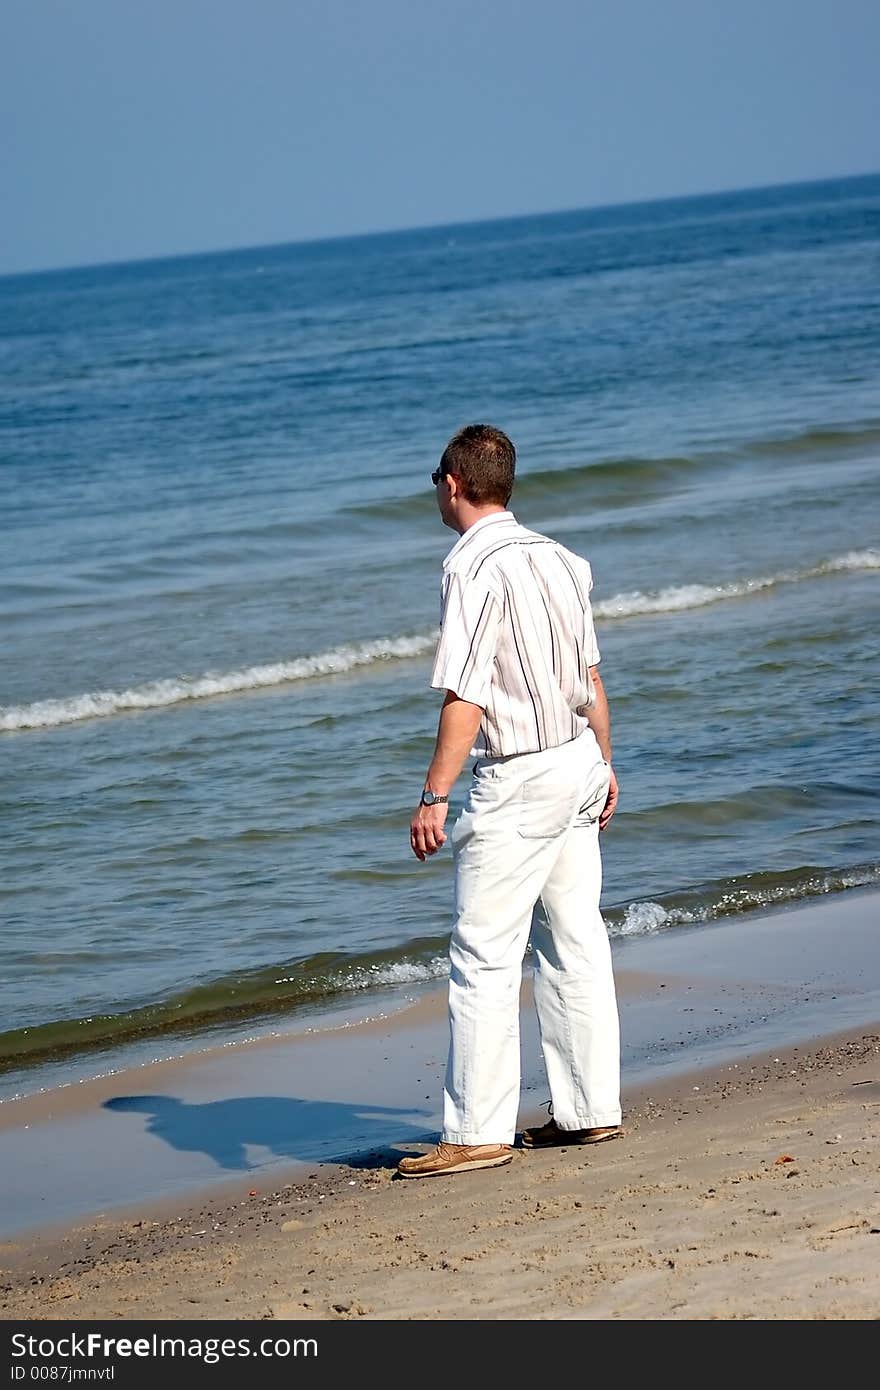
(517, 658)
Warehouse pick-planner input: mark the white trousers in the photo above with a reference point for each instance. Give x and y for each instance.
(529, 830)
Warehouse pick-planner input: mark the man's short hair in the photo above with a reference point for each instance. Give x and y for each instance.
(483, 459)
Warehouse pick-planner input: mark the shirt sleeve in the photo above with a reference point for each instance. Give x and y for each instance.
(469, 629)
(591, 646)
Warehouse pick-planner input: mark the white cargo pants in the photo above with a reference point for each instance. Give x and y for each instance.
(530, 829)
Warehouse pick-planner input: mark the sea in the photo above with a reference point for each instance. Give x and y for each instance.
(219, 591)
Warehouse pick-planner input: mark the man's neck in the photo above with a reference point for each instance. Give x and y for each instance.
(469, 516)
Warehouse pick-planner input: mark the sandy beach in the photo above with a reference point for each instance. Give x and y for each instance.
(752, 1191)
(746, 1184)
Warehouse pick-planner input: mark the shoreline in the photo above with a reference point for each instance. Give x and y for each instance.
(746, 1190)
(150, 1032)
(271, 1109)
(274, 1108)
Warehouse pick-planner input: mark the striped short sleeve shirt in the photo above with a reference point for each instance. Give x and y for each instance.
(516, 636)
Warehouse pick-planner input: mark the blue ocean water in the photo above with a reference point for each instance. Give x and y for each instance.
(220, 570)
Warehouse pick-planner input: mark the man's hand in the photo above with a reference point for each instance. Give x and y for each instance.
(459, 722)
(611, 802)
(426, 834)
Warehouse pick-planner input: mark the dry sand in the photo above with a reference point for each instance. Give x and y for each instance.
(747, 1191)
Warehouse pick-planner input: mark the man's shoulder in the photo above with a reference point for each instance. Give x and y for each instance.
(511, 549)
(571, 557)
(546, 556)
(494, 556)
(488, 549)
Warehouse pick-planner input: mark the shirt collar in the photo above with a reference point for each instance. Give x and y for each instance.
(485, 523)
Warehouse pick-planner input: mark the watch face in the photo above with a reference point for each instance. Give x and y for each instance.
(428, 798)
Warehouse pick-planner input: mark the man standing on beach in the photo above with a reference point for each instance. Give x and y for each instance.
(518, 661)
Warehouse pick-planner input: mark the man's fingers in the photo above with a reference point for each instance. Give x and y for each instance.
(423, 841)
(417, 841)
(426, 838)
(611, 803)
(434, 840)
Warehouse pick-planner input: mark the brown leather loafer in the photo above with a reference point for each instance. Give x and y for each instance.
(455, 1158)
(544, 1136)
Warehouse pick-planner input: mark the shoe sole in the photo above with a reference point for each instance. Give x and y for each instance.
(570, 1143)
(459, 1167)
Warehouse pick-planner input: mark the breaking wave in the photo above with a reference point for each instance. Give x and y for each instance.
(48, 714)
(281, 990)
(682, 596)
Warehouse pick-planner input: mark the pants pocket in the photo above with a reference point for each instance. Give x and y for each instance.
(595, 794)
(545, 808)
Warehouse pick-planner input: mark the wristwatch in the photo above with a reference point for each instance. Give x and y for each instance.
(431, 798)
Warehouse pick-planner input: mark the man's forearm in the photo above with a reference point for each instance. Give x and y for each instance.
(598, 716)
(459, 722)
(457, 730)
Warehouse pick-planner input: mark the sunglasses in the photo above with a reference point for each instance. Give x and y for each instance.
(436, 476)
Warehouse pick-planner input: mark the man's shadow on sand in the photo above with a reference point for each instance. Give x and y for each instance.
(308, 1130)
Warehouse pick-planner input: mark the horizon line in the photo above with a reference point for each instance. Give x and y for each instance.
(426, 227)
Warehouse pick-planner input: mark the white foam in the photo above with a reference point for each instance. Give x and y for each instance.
(402, 972)
(682, 596)
(852, 560)
(48, 714)
(45, 714)
(642, 918)
(677, 597)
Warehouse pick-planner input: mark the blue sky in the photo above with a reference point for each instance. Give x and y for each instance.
(132, 128)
